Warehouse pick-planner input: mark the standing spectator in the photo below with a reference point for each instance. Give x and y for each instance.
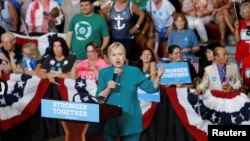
(198, 14)
(221, 75)
(38, 16)
(8, 16)
(223, 14)
(59, 63)
(122, 24)
(162, 13)
(86, 27)
(69, 8)
(89, 68)
(242, 33)
(183, 37)
(129, 125)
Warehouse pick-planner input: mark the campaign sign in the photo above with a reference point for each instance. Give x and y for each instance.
(175, 72)
(154, 97)
(70, 110)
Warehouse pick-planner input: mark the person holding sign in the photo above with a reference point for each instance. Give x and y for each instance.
(221, 75)
(117, 85)
(175, 54)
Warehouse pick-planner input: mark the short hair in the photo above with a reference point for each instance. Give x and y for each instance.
(8, 34)
(216, 53)
(95, 46)
(244, 4)
(65, 48)
(182, 16)
(90, 1)
(172, 47)
(114, 46)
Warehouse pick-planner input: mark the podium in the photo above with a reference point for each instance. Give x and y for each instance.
(76, 116)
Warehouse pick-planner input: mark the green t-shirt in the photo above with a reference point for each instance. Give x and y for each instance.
(85, 30)
(141, 4)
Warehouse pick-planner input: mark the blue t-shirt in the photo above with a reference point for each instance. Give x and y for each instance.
(185, 39)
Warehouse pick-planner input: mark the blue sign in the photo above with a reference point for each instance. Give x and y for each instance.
(154, 97)
(176, 72)
(70, 110)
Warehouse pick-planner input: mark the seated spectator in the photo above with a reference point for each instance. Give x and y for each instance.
(209, 57)
(221, 75)
(9, 45)
(59, 62)
(183, 37)
(38, 16)
(242, 33)
(175, 55)
(162, 13)
(198, 14)
(89, 68)
(147, 63)
(8, 16)
(223, 14)
(30, 59)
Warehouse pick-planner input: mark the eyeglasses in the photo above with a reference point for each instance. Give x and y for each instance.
(91, 51)
(246, 11)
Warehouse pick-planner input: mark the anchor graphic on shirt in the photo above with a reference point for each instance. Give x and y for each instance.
(118, 18)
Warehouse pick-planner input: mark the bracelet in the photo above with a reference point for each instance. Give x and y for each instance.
(137, 25)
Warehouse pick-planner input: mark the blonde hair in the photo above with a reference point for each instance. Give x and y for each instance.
(33, 49)
(114, 46)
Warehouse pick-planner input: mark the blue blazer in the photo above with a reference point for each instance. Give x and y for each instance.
(125, 96)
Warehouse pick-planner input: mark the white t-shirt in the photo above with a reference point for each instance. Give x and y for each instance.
(162, 17)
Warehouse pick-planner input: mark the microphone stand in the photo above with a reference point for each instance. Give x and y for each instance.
(100, 99)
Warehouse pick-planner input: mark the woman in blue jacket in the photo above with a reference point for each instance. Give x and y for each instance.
(122, 91)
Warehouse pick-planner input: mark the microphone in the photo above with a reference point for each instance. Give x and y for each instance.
(98, 100)
(115, 74)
